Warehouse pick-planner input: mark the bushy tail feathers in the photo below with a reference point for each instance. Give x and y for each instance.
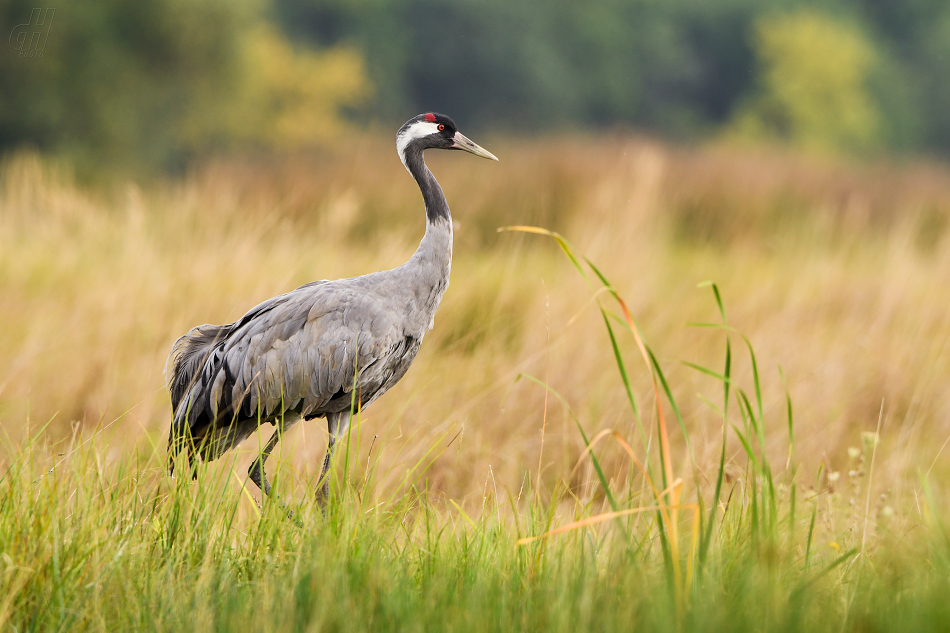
(182, 373)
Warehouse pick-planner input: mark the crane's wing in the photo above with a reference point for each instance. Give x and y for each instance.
(303, 352)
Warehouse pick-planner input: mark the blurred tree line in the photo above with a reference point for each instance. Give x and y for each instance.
(119, 84)
(158, 81)
(852, 73)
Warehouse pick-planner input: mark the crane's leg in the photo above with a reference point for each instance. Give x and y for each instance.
(337, 423)
(256, 471)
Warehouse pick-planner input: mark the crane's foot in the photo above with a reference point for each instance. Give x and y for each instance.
(289, 513)
(257, 475)
(323, 496)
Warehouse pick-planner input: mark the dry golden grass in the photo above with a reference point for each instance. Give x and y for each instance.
(835, 271)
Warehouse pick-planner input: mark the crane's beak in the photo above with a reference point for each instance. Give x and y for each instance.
(463, 143)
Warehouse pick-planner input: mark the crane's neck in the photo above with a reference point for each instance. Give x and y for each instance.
(432, 261)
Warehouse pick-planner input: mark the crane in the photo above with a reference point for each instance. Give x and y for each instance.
(303, 354)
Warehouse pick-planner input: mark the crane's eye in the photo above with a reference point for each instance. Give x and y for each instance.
(441, 126)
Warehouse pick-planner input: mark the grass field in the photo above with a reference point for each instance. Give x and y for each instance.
(826, 514)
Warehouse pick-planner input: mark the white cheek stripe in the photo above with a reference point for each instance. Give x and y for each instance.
(414, 131)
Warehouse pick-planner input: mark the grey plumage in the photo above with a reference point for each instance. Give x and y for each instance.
(302, 354)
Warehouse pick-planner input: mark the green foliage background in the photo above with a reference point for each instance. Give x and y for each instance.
(682, 67)
(156, 82)
(153, 83)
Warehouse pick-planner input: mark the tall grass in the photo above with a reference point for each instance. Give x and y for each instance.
(91, 546)
(684, 480)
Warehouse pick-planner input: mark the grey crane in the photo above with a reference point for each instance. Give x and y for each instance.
(302, 354)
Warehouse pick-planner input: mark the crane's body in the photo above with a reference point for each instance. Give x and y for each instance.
(318, 350)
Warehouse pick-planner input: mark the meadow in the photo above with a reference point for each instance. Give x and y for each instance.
(698, 487)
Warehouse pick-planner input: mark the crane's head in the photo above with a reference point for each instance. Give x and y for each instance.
(433, 131)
